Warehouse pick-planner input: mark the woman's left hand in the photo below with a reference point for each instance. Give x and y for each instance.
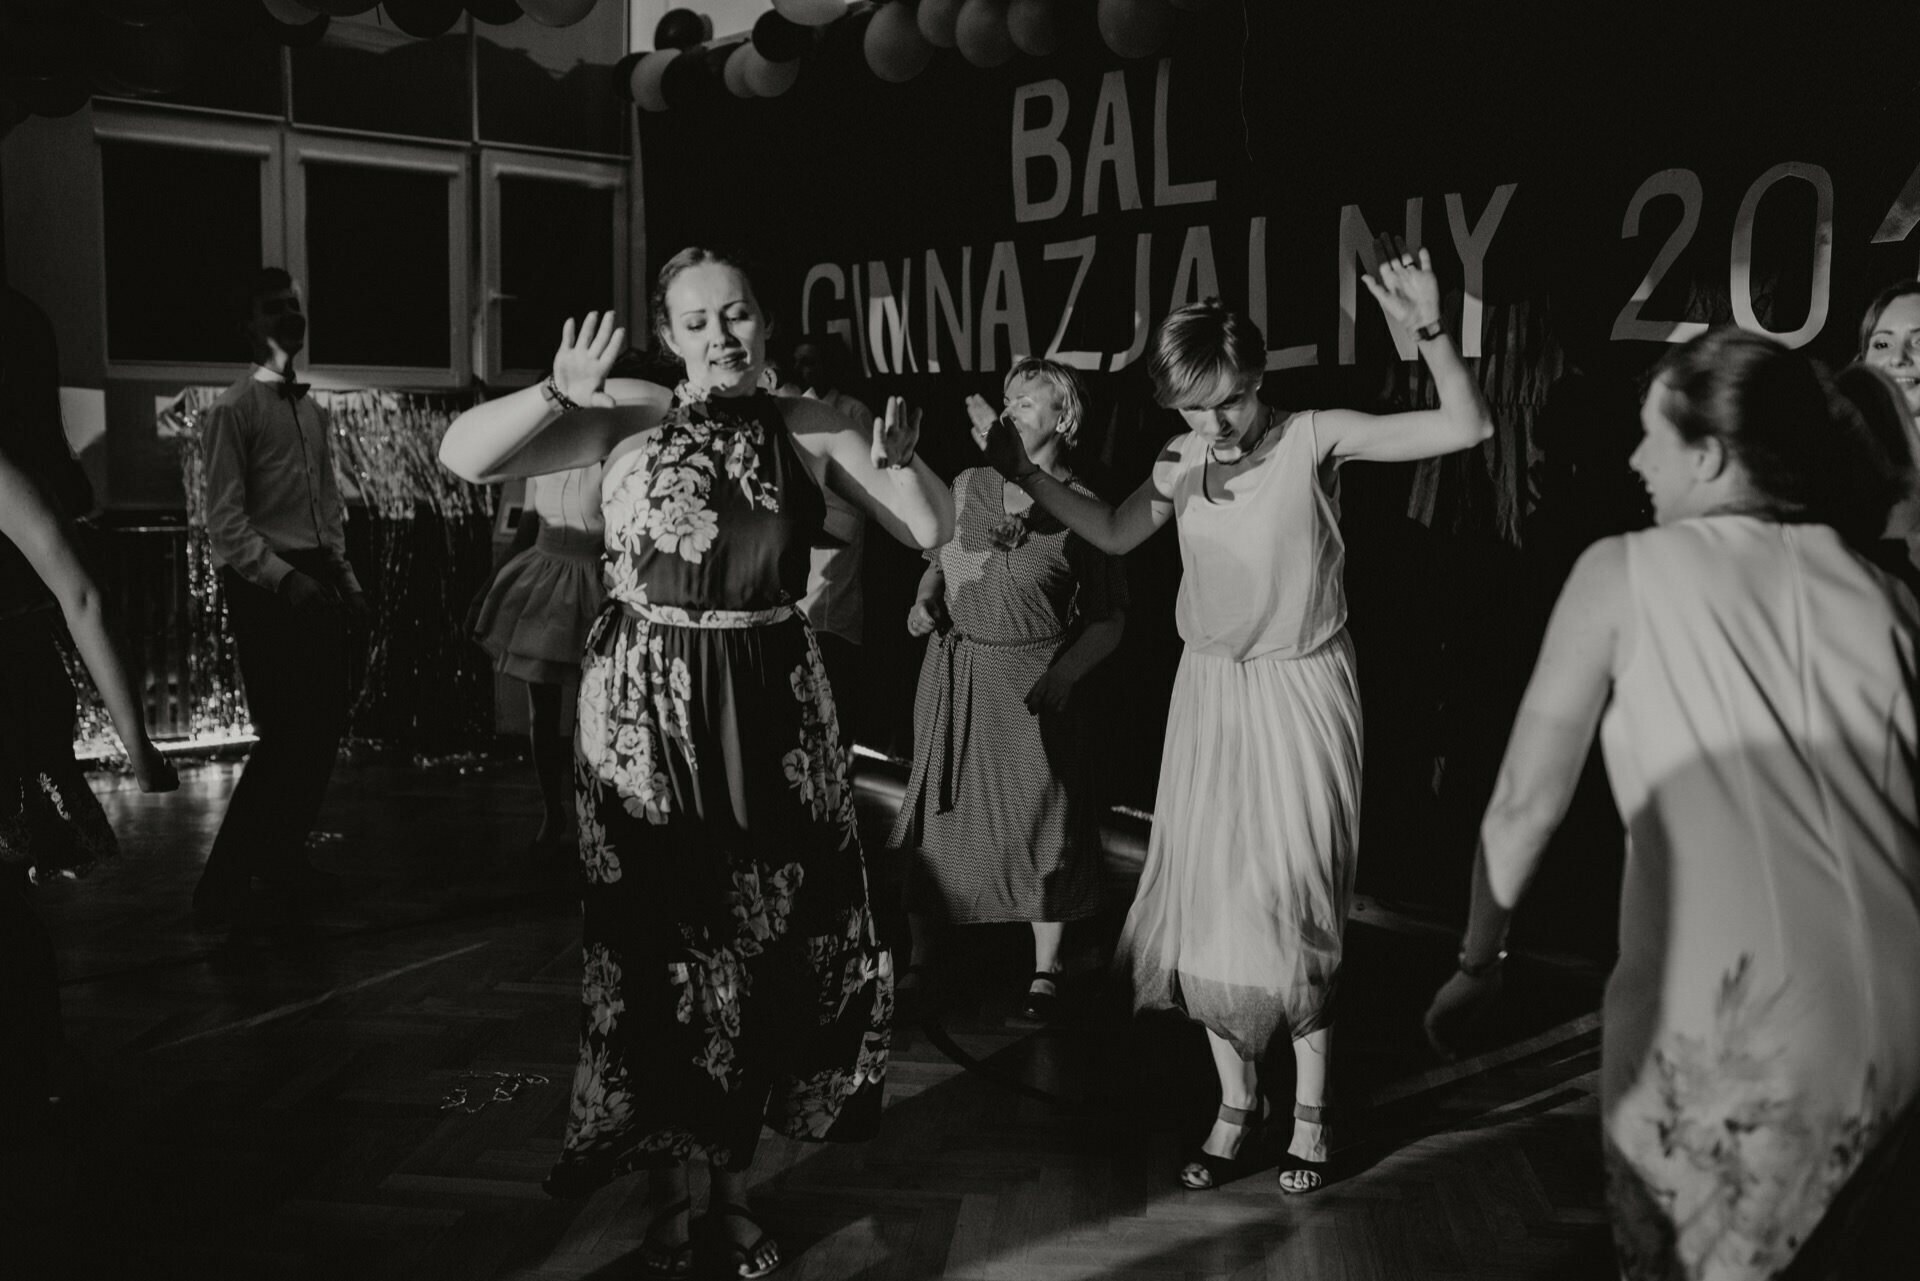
(1460, 1000)
(896, 434)
(1407, 290)
(1051, 693)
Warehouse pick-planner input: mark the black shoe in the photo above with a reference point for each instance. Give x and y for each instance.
(1299, 1176)
(1043, 1004)
(1204, 1171)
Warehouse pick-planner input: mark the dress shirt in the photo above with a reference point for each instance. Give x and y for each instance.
(270, 486)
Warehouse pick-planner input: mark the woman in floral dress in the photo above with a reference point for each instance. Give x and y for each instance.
(1752, 680)
(733, 978)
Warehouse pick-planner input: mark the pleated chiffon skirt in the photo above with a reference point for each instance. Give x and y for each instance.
(1249, 872)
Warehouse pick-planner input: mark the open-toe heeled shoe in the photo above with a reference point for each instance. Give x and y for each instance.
(1299, 1176)
(1204, 1171)
(1043, 1005)
(668, 1259)
(758, 1258)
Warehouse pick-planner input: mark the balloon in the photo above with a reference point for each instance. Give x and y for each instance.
(685, 77)
(54, 95)
(291, 12)
(495, 13)
(139, 13)
(937, 21)
(780, 40)
(733, 74)
(151, 59)
(811, 13)
(981, 33)
(623, 75)
(896, 50)
(771, 79)
(1033, 27)
(646, 78)
(1134, 28)
(424, 18)
(681, 29)
(340, 8)
(552, 13)
(296, 33)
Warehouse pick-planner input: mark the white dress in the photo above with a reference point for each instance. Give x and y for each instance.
(1762, 1027)
(1249, 870)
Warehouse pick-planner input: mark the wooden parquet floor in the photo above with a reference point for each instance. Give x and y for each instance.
(270, 1111)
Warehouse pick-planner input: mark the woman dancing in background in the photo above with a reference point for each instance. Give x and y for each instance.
(997, 814)
(1752, 679)
(733, 977)
(534, 621)
(1243, 899)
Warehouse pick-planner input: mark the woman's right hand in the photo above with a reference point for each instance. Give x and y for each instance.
(927, 617)
(586, 356)
(154, 772)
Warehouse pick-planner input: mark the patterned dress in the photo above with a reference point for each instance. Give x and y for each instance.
(997, 810)
(733, 977)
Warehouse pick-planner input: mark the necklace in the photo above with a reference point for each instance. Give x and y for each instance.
(1246, 451)
(1246, 447)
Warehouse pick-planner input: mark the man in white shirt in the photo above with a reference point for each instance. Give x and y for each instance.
(277, 526)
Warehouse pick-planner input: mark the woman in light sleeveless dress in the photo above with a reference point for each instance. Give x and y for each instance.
(1243, 899)
(1752, 677)
(534, 621)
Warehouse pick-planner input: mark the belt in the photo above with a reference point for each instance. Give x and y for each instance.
(679, 616)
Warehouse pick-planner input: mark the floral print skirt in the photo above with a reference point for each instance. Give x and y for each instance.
(733, 975)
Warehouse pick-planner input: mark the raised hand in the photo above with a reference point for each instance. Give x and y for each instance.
(896, 434)
(1406, 288)
(1006, 453)
(585, 355)
(983, 419)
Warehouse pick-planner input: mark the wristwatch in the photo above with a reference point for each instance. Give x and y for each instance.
(1431, 330)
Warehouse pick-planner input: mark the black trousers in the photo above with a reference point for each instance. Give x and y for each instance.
(294, 667)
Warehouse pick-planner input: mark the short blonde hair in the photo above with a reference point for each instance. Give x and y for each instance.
(1202, 354)
(1066, 388)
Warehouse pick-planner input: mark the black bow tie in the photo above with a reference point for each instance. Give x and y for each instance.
(291, 390)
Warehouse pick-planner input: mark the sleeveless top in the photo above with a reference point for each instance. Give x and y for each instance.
(1761, 742)
(1261, 552)
(714, 510)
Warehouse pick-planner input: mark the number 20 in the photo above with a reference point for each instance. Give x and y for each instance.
(1685, 184)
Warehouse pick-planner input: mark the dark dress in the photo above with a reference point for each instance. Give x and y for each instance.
(733, 975)
(999, 813)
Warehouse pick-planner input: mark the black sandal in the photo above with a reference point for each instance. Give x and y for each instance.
(1299, 1176)
(740, 1258)
(1204, 1171)
(1043, 1007)
(660, 1259)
